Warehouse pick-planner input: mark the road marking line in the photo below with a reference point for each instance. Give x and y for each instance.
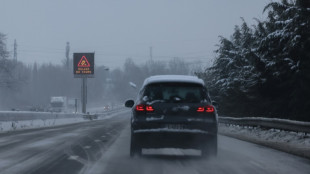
(256, 164)
(87, 147)
(73, 157)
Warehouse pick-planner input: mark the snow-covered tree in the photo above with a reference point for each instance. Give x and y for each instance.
(265, 69)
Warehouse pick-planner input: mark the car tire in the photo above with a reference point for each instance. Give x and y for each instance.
(135, 149)
(209, 148)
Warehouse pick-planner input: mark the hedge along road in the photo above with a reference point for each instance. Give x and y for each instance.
(103, 147)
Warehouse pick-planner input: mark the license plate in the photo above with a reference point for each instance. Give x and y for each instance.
(176, 126)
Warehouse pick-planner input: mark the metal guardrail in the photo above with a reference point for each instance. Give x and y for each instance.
(90, 116)
(282, 124)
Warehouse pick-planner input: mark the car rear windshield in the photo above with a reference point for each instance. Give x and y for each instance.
(175, 92)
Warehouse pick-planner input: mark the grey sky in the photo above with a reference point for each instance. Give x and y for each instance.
(118, 29)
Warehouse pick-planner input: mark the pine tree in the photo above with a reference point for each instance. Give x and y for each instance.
(266, 69)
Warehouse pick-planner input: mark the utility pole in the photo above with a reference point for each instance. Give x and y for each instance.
(15, 51)
(67, 54)
(151, 53)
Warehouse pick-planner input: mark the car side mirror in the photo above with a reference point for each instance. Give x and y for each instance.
(129, 103)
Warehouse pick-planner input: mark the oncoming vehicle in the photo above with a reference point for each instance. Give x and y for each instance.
(58, 104)
(173, 111)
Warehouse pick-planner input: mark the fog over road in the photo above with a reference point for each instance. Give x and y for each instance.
(103, 147)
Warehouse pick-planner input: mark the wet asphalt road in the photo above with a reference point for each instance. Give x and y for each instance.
(103, 147)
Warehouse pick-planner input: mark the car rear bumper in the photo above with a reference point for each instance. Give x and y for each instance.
(168, 130)
(173, 134)
(174, 126)
(172, 139)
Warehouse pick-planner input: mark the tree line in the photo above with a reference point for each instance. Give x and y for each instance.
(264, 69)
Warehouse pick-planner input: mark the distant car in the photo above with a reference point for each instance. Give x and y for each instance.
(173, 111)
(106, 108)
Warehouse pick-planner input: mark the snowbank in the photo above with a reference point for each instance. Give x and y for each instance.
(6, 126)
(17, 120)
(297, 143)
(282, 124)
(27, 115)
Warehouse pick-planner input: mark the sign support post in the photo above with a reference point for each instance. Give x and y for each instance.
(76, 104)
(83, 67)
(84, 94)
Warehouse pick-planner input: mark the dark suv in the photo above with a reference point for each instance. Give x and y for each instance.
(173, 111)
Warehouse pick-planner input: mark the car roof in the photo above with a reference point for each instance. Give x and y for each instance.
(173, 78)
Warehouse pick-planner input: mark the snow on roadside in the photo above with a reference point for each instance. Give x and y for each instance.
(297, 143)
(37, 123)
(13, 125)
(275, 135)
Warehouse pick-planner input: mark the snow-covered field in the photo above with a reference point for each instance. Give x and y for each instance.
(293, 142)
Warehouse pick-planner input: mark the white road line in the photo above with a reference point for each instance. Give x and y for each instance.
(74, 157)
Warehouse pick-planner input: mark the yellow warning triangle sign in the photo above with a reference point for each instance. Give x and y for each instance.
(83, 62)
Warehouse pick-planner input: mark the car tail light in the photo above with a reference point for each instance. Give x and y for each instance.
(147, 108)
(200, 109)
(140, 108)
(207, 108)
